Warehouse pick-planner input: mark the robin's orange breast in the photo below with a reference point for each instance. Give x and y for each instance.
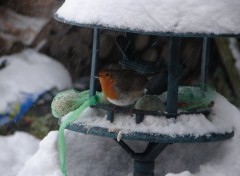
(107, 84)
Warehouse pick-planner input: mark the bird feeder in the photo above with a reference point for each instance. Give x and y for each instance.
(174, 19)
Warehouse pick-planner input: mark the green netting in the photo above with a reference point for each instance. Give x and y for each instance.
(67, 101)
(193, 97)
(72, 102)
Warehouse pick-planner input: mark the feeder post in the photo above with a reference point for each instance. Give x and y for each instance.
(144, 163)
(143, 168)
(205, 59)
(95, 52)
(173, 74)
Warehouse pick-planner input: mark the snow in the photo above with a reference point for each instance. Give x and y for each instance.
(15, 150)
(98, 156)
(174, 16)
(45, 161)
(29, 72)
(183, 125)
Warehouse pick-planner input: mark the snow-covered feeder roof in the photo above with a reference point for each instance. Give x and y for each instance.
(161, 17)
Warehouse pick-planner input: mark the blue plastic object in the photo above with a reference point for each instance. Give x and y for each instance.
(24, 107)
(4, 119)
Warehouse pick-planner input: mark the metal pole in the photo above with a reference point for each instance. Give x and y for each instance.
(144, 163)
(173, 74)
(95, 51)
(94, 64)
(139, 118)
(110, 115)
(143, 168)
(205, 59)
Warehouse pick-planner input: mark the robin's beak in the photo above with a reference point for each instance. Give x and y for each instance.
(96, 77)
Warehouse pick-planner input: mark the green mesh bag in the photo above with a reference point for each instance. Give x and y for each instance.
(73, 103)
(193, 97)
(67, 101)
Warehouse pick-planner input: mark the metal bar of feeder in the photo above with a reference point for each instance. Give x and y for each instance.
(205, 59)
(173, 74)
(205, 111)
(144, 162)
(155, 151)
(126, 148)
(110, 115)
(143, 168)
(95, 51)
(150, 146)
(144, 165)
(94, 65)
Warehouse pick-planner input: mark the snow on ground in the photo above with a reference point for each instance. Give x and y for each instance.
(98, 156)
(45, 161)
(15, 150)
(178, 16)
(32, 73)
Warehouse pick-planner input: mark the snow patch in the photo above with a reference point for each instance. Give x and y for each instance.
(15, 150)
(45, 161)
(29, 72)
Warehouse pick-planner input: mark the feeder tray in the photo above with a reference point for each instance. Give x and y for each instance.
(150, 137)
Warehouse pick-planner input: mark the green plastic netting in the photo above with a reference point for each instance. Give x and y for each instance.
(67, 101)
(193, 97)
(73, 103)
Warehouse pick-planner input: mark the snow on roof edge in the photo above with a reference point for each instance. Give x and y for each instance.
(172, 34)
(158, 17)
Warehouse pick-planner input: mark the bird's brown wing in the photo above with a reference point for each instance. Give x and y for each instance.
(129, 81)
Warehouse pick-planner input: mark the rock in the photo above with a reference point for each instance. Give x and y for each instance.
(141, 42)
(150, 55)
(36, 8)
(107, 42)
(68, 44)
(17, 30)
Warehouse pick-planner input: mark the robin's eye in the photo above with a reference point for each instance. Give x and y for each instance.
(107, 74)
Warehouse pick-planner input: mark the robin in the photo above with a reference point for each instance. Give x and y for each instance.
(122, 87)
